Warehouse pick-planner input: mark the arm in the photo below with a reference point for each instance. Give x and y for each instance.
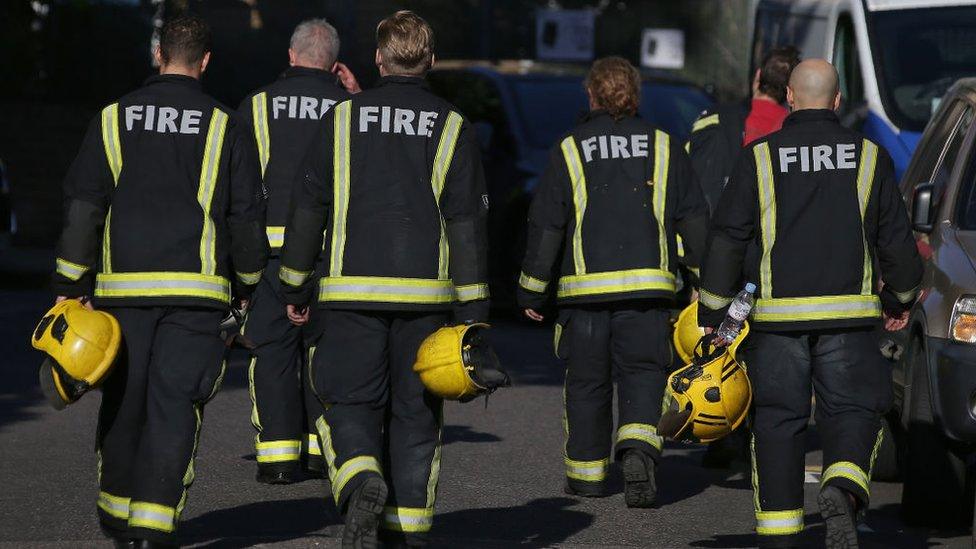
(901, 267)
(706, 147)
(690, 212)
(246, 218)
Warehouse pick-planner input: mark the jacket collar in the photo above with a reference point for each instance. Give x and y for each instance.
(403, 80)
(598, 113)
(180, 79)
(292, 72)
(811, 115)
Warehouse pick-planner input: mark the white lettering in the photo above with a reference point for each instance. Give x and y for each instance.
(132, 113)
(845, 157)
(402, 121)
(167, 120)
(190, 122)
(278, 104)
(150, 117)
(385, 120)
(427, 119)
(821, 158)
(618, 147)
(589, 147)
(326, 105)
(638, 145)
(366, 116)
(292, 107)
(162, 119)
(605, 147)
(308, 109)
(787, 156)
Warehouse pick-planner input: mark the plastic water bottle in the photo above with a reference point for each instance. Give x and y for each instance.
(738, 312)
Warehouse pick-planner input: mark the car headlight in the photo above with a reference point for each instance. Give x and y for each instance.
(962, 327)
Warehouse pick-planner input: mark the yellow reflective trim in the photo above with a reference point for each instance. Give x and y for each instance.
(713, 301)
(385, 289)
(152, 516)
(250, 278)
(557, 336)
(662, 163)
(328, 451)
(874, 451)
(255, 418)
(906, 297)
(292, 277)
(115, 506)
(435, 462)
(848, 470)
(408, 519)
(704, 122)
(113, 155)
(589, 471)
(259, 111)
(755, 475)
(767, 209)
(162, 284)
(865, 180)
(779, 523)
(679, 245)
(312, 443)
(612, 282)
(789, 309)
(471, 292)
(340, 185)
(578, 180)
(352, 467)
(208, 183)
(642, 432)
(278, 450)
(532, 284)
(69, 270)
(276, 236)
(442, 164)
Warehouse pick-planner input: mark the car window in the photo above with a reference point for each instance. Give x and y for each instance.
(943, 168)
(933, 144)
(966, 203)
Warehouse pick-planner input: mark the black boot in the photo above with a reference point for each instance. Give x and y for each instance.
(286, 472)
(146, 544)
(363, 514)
(838, 512)
(122, 543)
(640, 485)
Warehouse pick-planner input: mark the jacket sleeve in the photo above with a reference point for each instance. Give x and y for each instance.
(897, 253)
(464, 207)
(310, 210)
(88, 189)
(690, 212)
(246, 217)
(548, 216)
(732, 229)
(706, 147)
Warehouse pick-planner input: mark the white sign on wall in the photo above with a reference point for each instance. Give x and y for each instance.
(564, 35)
(663, 49)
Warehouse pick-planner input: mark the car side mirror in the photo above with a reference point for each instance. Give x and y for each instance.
(922, 208)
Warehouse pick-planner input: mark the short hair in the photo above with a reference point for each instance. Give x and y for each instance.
(185, 39)
(406, 43)
(614, 85)
(774, 72)
(316, 41)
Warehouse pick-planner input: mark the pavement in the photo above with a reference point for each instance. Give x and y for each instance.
(500, 485)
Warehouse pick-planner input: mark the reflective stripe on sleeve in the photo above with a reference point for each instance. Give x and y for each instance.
(386, 290)
(713, 301)
(351, 468)
(767, 209)
(250, 278)
(312, 446)
(779, 523)
(532, 284)
(906, 297)
(113, 155)
(616, 282)
(208, 182)
(578, 180)
(471, 292)
(152, 516)
(278, 450)
(662, 163)
(642, 432)
(834, 307)
(276, 236)
(865, 180)
(704, 122)
(259, 111)
(115, 506)
(69, 270)
(162, 284)
(340, 185)
(588, 471)
(848, 470)
(442, 164)
(292, 277)
(408, 519)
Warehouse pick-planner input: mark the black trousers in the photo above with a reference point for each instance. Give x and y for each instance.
(283, 407)
(171, 363)
(379, 420)
(631, 344)
(846, 374)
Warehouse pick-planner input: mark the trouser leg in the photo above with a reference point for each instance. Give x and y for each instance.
(121, 418)
(640, 350)
(312, 406)
(588, 394)
(350, 376)
(852, 385)
(413, 431)
(185, 372)
(779, 369)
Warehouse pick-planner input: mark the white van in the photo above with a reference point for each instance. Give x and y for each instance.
(896, 58)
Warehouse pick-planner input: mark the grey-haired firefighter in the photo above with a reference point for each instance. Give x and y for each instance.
(395, 179)
(821, 204)
(616, 193)
(285, 117)
(165, 227)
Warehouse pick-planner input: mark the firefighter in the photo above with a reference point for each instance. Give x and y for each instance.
(821, 204)
(719, 133)
(165, 228)
(615, 193)
(285, 116)
(395, 181)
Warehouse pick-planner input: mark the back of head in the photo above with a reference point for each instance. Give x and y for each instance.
(614, 86)
(315, 44)
(184, 40)
(774, 73)
(814, 85)
(406, 43)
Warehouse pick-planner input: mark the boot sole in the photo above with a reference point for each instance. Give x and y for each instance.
(841, 531)
(363, 516)
(640, 487)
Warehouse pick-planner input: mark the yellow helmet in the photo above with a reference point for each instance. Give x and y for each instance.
(708, 398)
(457, 363)
(81, 346)
(687, 332)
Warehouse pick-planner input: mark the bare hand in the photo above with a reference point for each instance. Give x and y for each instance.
(84, 301)
(297, 315)
(708, 330)
(346, 78)
(895, 322)
(531, 314)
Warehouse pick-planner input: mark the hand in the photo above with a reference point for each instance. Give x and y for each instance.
(242, 305)
(531, 314)
(707, 330)
(297, 315)
(84, 301)
(895, 322)
(346, 77)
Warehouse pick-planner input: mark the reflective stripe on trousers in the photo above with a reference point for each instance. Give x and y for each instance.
(277, 451)
(779, 523)
(115, 506)
(408, 519)
(589, 471)
(152, 516)
(642, 432)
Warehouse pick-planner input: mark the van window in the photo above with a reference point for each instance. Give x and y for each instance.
(847, 63)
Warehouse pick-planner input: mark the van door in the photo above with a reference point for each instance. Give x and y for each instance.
(854, 107)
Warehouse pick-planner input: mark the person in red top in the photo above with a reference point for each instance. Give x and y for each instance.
(766, 113)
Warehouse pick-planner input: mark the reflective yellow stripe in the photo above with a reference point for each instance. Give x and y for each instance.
(906, 297)
(755, 475)
(276, 236)
(578, 180)
(874, 451)
(704, 122)
(69, 270)
(385, 290)
(442, 163)
(250, 278)
(590, 471)
(848, 470)
(613, 282)
(767, 209)
(115, 506)
(208, 182)
(713, 301)
(662, 162)
(408, 519)
(259, 111)
(679, 245)
(779, 523)
(865, 180)
(642, 432)
(351, 468)
(435, 461)
(834, 307)
(255, 418)
(328, 451)
(152, 516)
(471, 292)
(532, 284)
(162, 284)
(113, 154)
(278, 451)
(340, 199)
(292, 277)
(312, 444)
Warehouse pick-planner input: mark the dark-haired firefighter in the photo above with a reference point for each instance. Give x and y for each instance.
(616, 193)
(165, 227)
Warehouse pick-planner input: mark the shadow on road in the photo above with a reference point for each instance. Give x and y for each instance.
(265, 522)
(18, 361)
(539, 523)
(463, 433)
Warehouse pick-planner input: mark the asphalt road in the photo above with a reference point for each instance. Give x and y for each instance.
(500, 486)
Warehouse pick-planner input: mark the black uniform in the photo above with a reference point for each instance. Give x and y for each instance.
(396, 181)
(611, 201)
(821, 204)
(285, 118)
(165, 215)
(714, 146)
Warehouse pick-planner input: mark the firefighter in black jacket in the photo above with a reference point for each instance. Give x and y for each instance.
(395, 180)
(616, 191)
(821, 204)
(166, 193)
(285, 117)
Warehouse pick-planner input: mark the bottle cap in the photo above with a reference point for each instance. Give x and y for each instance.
(750, 287)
